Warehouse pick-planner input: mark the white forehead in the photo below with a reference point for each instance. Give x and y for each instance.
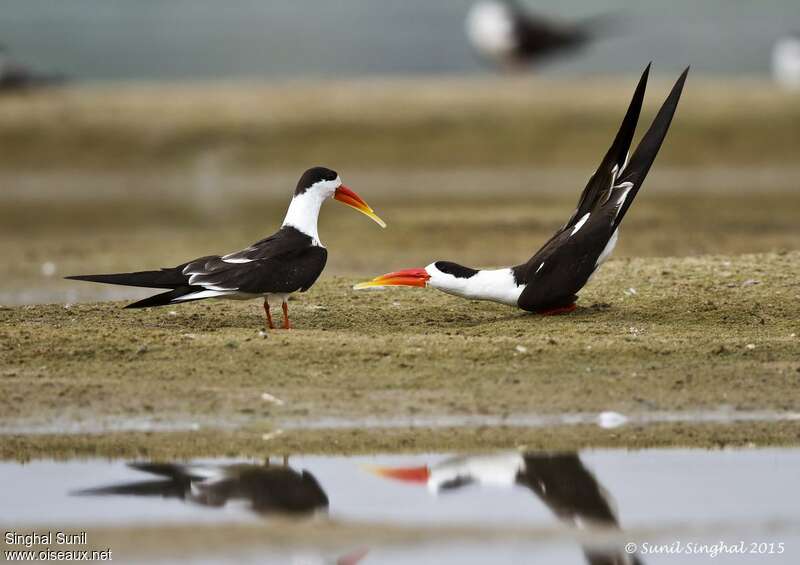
(326, 185)
(432, 268)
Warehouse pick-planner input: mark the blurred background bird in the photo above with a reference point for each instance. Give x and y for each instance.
(17, 77)
(786, 61)
(507, 34)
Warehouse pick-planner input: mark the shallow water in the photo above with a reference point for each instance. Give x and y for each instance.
(720, 415)
(517, 508)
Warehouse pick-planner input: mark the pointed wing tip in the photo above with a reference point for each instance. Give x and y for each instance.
(678, 88)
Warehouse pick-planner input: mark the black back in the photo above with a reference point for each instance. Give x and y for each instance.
(286, 261)
(268, 489)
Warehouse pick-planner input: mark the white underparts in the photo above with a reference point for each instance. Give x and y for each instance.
(276, 299)
(608, 249)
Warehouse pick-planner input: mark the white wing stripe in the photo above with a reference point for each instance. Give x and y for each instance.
(236, 260)
(202, 294)
(580, 223)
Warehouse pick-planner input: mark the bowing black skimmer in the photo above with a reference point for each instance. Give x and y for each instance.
(503, 32)
(267, 489)
(548, 282)
(559, 480)
(288, 261)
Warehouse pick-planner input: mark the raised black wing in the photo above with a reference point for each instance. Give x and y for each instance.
(648, 148)
(563, 265)
(616, 157)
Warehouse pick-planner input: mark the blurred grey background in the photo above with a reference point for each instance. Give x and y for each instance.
(212, 39)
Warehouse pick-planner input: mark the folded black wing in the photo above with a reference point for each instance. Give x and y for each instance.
(284, 262)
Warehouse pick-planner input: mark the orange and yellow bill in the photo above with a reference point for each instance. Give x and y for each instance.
(406, 277)
(350, 198)
(406, 474)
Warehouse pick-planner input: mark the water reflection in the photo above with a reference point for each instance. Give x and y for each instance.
(469, 510)
(560, 481)
(266, 489)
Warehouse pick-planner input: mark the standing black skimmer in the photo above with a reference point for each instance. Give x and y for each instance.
(266, 489)
(288, 261)
(505, 33)
(560, 481)
(549, 281)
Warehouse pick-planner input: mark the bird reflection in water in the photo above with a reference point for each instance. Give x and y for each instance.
(560, 481)
(267, 489)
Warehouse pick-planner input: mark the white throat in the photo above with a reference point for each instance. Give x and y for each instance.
(498, 470)
(497, 285)
(303, 213)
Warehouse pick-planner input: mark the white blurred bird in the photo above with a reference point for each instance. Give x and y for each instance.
(786, 61)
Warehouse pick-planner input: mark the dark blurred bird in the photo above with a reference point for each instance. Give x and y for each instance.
(266, 489)
(505, 33)
(16, 77)
(548, 282)
(288, 261)
(560, 481)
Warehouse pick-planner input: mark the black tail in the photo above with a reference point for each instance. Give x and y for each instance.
(173, 482)
(165, 278)
(168, 488)
(168, 470)
(648, 148)
(166, 297)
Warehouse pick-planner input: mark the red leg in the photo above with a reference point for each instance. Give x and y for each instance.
(270, 325)
(557, 310)
(286, 324)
